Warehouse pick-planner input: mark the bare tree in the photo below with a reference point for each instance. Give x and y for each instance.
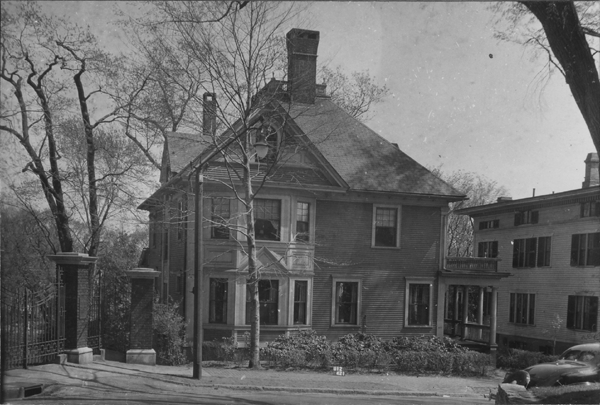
(565, 38)
(355, 94)
(480, 191)
(57, 73)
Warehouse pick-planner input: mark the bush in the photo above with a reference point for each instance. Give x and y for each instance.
(515, 359)
(169, 330)
(224, 350)
(413, 354)
(302, 349)
(425, 343)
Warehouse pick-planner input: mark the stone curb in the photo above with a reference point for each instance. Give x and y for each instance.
(338, 391)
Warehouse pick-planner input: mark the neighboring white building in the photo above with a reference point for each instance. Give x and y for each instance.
(551, 246)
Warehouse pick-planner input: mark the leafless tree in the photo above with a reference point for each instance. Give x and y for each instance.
(564, 32)
(480, 191)
(54, 101)
(355, 94)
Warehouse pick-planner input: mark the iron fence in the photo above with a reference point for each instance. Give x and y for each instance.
(32, 325)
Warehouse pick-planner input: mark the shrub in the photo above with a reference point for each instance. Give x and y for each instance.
(302, 349)
(224, 350)
(425, 343)
(424, 362)
(169, 330)
(515, 359)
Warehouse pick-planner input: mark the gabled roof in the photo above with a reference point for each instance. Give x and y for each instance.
(363, 159)
(266, 261)
(182, 148)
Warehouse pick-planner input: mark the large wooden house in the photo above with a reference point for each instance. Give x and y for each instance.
(350, 230)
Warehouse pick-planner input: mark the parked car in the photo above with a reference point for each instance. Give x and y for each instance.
(578, 364)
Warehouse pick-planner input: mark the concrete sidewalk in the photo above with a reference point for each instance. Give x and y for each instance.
(92, 379)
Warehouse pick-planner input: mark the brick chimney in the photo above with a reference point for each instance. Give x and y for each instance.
(592, 171)
(302, 64)
(209, 114)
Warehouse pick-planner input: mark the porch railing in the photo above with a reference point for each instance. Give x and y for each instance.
(472, 263)
(472, 331)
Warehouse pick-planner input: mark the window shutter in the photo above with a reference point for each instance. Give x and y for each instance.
(593, 314)
(511, 314)
(574, 250)
(571, 311)
(517, 219)
(496, 223)
(480, 249)
(597, 210)
(494, 252)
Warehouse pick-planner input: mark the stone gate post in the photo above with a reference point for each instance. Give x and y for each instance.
(75, 271)
(141, 333)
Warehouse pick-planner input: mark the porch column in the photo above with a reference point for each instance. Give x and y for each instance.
(465, 310)
(74, 268)
(480, 311)
(493, 317)
(141, 332)
(441, 307)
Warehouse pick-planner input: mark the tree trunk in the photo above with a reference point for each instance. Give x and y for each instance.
(253, 275)
(570, 47)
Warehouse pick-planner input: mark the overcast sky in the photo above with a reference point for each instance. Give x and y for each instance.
(458, 98)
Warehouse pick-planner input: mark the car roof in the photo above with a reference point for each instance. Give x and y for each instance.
(586, 346)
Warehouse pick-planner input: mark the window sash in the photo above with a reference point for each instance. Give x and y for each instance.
(300, 302)
(585, 249)
(522, 308)
(268, 301)
(346, 303)
(487, 249)
(386, 226)
(582, 313)
(532, 252)
(418, 304)
(217, 307)
(220, 216)
(267, 219)
(303, 222)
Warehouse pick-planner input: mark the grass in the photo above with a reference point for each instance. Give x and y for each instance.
(569, 394)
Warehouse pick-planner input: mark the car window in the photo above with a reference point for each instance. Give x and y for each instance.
(586, 356)
(570, 355)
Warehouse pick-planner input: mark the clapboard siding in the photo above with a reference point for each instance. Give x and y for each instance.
(552, 285)
(343, 239)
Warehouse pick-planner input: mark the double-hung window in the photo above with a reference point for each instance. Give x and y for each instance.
(418, 304)
(582, 313)
(300, 302)
(217, 305)
(267, 219)
(532, 252)
(590, 209)
(585, 249)
(220, 215)
(522, 309)
(268, 301)
(527, 217)
(386, 226)
(491, 224)
(346, 302)
(487, 249)
(303, 221)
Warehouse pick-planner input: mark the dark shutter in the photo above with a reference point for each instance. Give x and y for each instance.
(517, 219)
(515, 253)
(592, 320)
(481, 249)
(494, 252)
(574, 250)
(571, 311)
(496, 223)
(511, 314)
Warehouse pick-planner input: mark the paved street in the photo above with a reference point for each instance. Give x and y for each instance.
(108, 382)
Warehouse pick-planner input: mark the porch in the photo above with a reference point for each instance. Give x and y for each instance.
(468, 287)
